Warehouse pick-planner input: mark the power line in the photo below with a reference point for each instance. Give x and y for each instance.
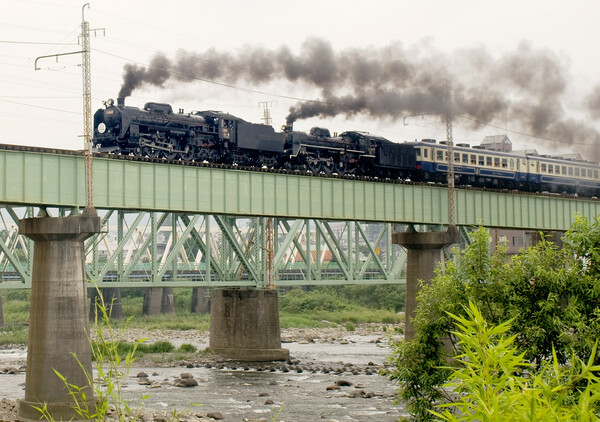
(516, 132)
(33, 42)
(42, 107)
(53, 97)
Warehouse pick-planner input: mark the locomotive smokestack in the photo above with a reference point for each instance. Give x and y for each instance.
(288, 127)
(121, 101)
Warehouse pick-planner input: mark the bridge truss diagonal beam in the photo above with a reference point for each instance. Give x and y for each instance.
(139, 248)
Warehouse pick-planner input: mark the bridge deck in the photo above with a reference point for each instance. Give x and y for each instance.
(56, 179)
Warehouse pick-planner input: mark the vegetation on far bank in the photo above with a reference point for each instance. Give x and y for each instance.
(313, 307)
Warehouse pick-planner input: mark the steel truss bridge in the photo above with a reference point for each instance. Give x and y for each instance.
(201, 225)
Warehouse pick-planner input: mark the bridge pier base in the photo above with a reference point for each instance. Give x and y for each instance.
(58, 318)
(244, 325)
(424, 251)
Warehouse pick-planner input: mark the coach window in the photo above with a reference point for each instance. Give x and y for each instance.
(557, 169)
(595, 174)
(570, 171)
(481, 160)
(504, 163)
(418, 151)
(473, 159)
(564, 169)
(496, 161)
(488, 161)
(426, 153)
(439, 155)
(512, 163)
(543, 168)
(577, 171)
(590, 173)
(465, 158)
(457, 157)
(550, 168)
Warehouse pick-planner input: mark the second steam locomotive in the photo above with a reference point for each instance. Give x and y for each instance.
(216, 137)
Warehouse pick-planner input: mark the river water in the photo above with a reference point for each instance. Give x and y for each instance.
(297, 391)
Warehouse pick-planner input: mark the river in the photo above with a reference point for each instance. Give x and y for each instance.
(303, 389)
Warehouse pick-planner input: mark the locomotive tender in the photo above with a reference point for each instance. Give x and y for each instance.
(216, 137)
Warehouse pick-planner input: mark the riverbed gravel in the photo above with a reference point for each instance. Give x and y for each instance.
(331, 375)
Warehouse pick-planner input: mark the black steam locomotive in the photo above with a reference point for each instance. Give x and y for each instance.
(216, 137)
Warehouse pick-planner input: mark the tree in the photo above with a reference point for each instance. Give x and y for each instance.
(550, 295)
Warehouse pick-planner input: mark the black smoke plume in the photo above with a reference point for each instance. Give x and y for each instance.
(526, 86)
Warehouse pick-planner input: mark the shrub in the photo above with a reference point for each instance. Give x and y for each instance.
(551, 295)
(187, 348)
(494, 381)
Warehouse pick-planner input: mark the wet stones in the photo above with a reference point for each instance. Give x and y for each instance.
(144, 381)
(185, 380)
(11, 370)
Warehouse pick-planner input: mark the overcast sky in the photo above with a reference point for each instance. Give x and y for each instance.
(525, 68)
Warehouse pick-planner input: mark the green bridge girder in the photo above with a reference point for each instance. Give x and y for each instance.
(156, 249)
(55, 179)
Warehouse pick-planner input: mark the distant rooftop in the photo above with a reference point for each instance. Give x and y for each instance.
(497, 143)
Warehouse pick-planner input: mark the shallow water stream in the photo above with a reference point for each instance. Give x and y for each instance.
(254, 392)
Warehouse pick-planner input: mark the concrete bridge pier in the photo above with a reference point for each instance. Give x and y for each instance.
(158, 300)
(244, 325)
(200, 301)
(111, 297)
(424, 251)
(58, 318)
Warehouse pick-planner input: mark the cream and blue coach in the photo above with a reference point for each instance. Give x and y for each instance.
(476, 166)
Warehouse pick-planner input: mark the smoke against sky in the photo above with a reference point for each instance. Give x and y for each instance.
(526, 85)
(366, 65)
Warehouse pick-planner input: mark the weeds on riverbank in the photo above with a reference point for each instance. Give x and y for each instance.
(316, 308)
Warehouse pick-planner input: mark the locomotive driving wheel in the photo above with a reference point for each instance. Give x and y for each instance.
(151, 152)
(327, 165)
(188, 154)
(172, 152)
(341, 167)
(313, 164)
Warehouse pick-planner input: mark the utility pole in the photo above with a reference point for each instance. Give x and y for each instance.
(87, 106)
(87, 113)
(266, 111)
(269, 240)
(450, 152)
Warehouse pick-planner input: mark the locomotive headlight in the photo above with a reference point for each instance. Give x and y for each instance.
(101, 128)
